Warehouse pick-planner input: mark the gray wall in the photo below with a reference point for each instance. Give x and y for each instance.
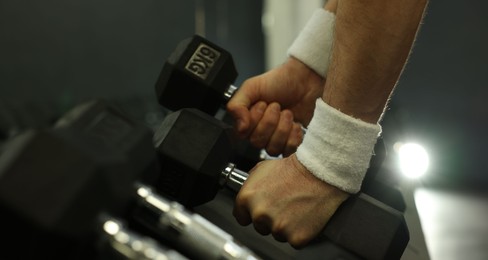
(67, 50)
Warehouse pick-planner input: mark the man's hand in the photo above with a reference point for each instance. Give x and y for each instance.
(282, 198)
(271, 108)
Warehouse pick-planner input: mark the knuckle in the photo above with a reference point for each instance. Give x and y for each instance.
(243, 198)
(298, 240)
(296, 243)
(260, 214)
(247, 84)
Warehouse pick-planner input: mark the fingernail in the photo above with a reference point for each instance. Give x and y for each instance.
(261, 107)
(275, 107)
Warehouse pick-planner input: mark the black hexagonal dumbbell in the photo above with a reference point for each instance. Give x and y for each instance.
(200, 74)
(195, 150)
(197, 74)
(66, 192)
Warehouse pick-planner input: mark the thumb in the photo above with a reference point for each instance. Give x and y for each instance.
(239, 106)
(241, 115)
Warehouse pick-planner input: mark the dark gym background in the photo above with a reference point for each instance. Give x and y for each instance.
(55, 53)
(441, 98)
(60, 52)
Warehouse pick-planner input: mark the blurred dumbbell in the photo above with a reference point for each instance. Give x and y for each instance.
(55, 183)
(17, 116)
(188, 232)
(63, 191)
(195, 150)
(120, 242)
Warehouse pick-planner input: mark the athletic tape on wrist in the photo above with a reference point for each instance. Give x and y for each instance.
(337, 147)
(314, 43)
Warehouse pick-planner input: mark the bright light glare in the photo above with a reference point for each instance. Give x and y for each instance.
(414, 160)
(111, 227)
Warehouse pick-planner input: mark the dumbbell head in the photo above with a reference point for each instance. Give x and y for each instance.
(369, 228)
(194, 149)
(102, 127)
(197, 74)
(55, 182)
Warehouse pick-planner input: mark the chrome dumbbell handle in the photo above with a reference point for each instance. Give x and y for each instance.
(229, 92)
(131, 245)
(233, 177)
(200, 238)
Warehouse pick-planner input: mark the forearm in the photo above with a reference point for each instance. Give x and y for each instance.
(331, 6)
(372, 43)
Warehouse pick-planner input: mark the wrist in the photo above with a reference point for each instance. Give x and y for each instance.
(301, 71)
(362, 109)
(333, 191)
(307, 86)
(337, 148)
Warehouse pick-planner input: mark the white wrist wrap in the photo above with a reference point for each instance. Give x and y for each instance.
(337, 148)
(314, 43)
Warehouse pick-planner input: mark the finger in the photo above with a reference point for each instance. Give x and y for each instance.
(257, 112)
(266, 126)
(248, 94)
(241, 212)
(240, 103)
(262, 224)
(294, 140)
(242, 117)
(279, 138)
(279, 237)
(279, 231)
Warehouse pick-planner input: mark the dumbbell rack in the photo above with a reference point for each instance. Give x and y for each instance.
(107, 133)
